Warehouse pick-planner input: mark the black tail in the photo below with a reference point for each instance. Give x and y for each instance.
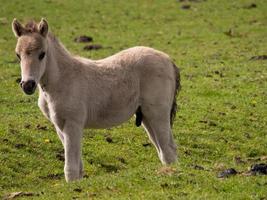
(177, 89)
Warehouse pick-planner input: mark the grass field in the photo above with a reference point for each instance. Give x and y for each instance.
(221, 123)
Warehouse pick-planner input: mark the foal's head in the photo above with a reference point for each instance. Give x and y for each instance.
(31, 50)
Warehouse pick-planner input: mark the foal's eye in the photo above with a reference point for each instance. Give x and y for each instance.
(41, 56)
(18, 56)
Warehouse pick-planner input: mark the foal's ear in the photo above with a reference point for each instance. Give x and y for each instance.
(43, 27)
(17, 28)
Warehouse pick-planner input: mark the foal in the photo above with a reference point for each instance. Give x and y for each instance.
(77, 93)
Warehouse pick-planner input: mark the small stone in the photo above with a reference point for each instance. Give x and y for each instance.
(164, 185)
(19, 146)
(198, 167)
(40, 127)
(259, 168)
(146, 144)
(83, 39)
(186, 6)
(253, 5)
(261, 57)
(109, 139)
(77, 190)
(212, 123)
(226, 173)
(27, 126)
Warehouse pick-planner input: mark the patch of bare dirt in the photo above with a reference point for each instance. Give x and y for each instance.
(93, 47)
(261, 57)
(83, 39)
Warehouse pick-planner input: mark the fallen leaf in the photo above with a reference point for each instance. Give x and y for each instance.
(13, 195)
(219, 166)
(47, 141)
(166, 170)
(253, 102)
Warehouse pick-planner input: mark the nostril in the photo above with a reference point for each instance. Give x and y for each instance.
(33, 84)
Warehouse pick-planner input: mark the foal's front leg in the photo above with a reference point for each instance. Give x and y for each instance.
(72, 134)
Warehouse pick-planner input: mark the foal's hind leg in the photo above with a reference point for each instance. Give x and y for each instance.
(158, 128)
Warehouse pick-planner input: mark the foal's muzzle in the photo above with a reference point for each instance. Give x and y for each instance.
(28, 87)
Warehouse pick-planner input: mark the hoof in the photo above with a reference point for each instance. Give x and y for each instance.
(73, 176)
(168, 160)
(168, 157)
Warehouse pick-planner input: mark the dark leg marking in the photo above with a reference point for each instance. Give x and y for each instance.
(139, 117)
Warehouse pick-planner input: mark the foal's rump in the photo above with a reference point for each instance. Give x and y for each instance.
(157, 78)
(157, 81)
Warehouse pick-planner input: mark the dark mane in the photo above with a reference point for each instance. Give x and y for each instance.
(31, 27)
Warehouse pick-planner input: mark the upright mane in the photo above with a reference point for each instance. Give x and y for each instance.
(31, 27)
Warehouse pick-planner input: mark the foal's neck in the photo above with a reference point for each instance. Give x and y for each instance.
(58, 60)
(59, 53)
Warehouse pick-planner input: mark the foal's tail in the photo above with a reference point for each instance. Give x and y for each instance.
(177, 89)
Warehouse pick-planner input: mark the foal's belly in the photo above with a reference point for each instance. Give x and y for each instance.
(113, 115)
(112, 118)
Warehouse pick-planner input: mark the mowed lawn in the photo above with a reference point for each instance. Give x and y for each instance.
(222, 118)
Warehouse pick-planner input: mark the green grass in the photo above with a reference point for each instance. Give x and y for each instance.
(222, 113)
